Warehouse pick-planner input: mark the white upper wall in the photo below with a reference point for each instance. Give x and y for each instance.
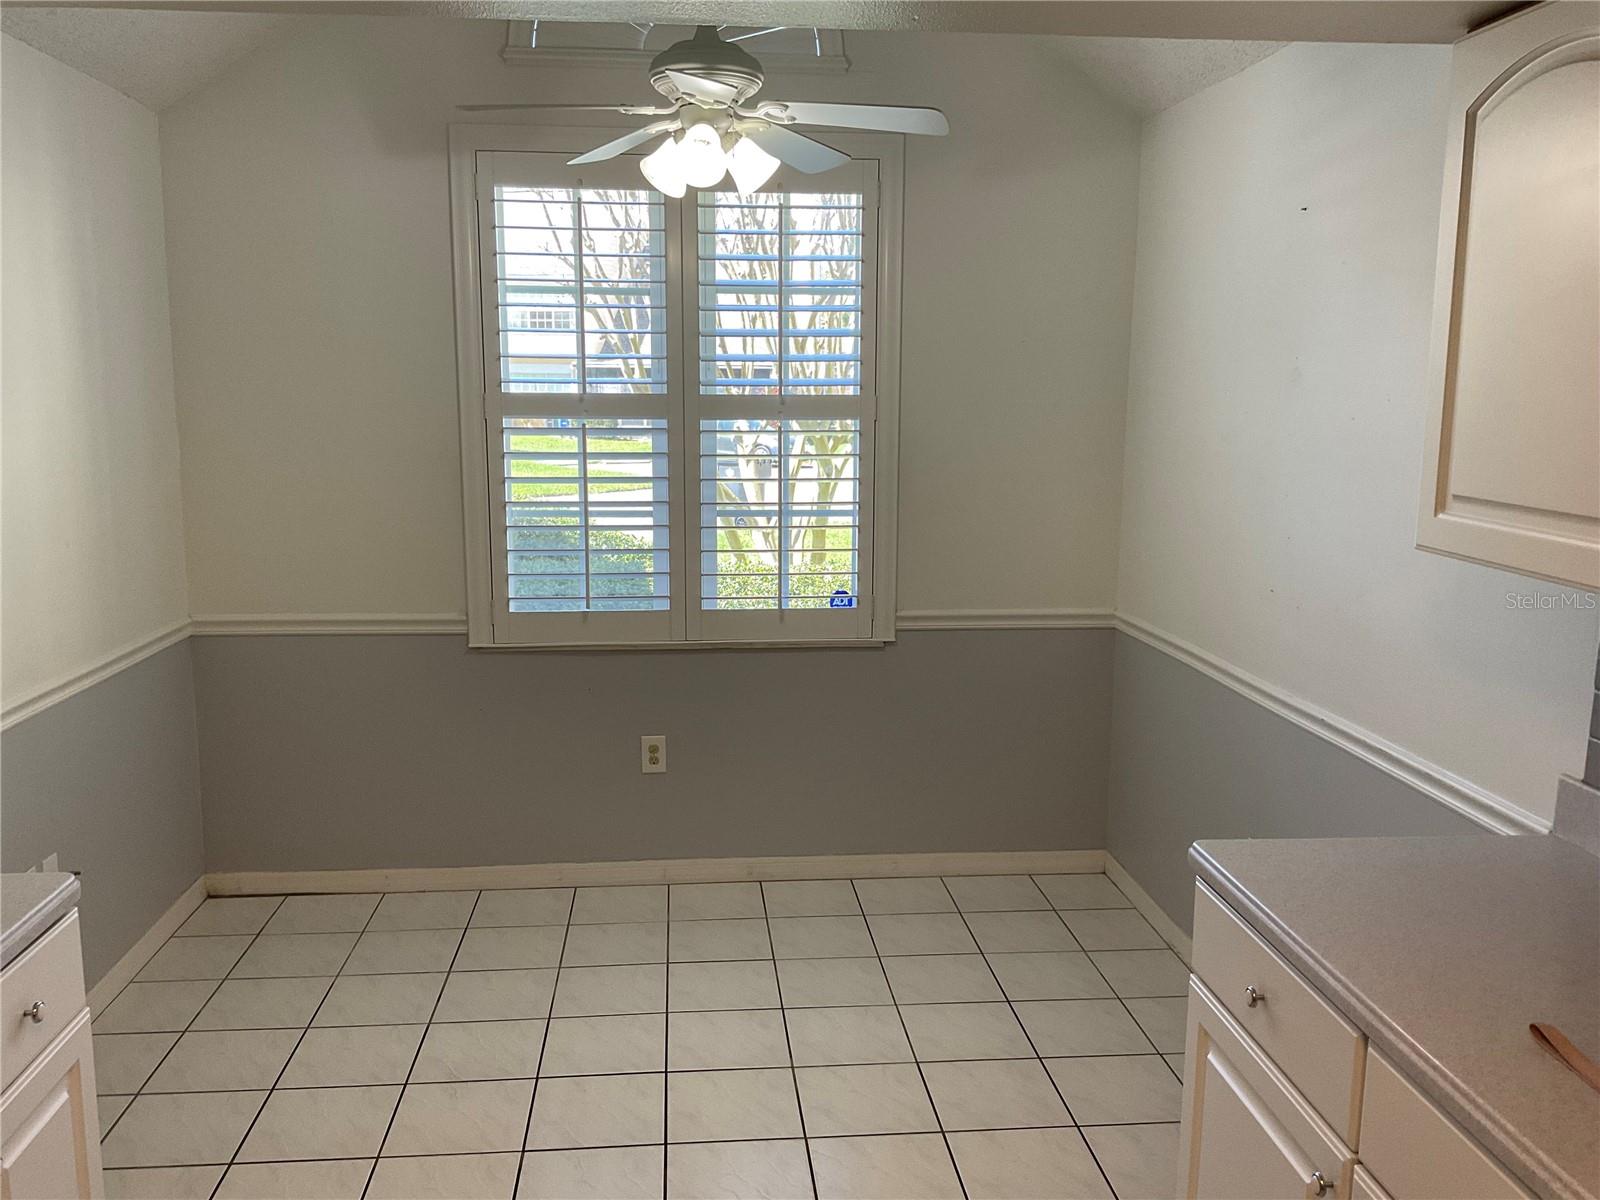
(1287, 231)
(309, 249)
(92, 519)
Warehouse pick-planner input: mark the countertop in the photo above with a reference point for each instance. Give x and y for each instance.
(1442, 950)
(29, 904)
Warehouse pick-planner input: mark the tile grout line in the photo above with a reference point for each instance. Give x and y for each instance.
(666, 1045)
(1088, 954)
(336, 1087)
(416, 1054)
(544, 1042)
(637, 1012)
(782, 1005)
(265, 1100)
(822, 1137)
(657, 962)
(1015, 1016)
(184, 1032)
(783, 1015)
(906, 1031)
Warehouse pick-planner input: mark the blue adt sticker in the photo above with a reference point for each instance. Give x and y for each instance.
(841, 599)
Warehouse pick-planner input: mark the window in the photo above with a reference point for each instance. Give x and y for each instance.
(541, 318)
(677, 415)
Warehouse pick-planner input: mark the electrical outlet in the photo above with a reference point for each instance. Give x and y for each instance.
(653, 754)
(52, 863)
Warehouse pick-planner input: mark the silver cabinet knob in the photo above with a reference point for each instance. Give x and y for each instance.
(1255, 998)
(1320, 1181)
(35, 1011)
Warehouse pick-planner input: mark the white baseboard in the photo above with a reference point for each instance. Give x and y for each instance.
(142, 951)
(666, 870)
(1180, 941)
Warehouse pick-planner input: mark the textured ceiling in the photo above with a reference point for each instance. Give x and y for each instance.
(155, 57)
(1230, 20)
(159, 53)
(1150, 74)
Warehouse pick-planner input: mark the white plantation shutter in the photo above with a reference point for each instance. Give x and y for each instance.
(780, 514)
(783, 401)
(781, 287)
(587, 514)
(578, 400)
(674, 405)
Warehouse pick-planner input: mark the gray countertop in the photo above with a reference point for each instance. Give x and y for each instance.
(1442, 950)
(29, 904)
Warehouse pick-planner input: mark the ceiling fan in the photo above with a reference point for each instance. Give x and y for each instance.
(714, 126)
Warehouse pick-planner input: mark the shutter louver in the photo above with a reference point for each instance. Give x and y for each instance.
(582, 280)
(587, 514)
(780, 513)
(780, 293)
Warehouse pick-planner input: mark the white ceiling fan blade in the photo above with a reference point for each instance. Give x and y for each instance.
(888, 118)
(799, 151)
(623, 144)
(698, 87)
(632, 110)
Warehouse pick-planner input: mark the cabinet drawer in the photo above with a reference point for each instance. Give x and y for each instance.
(1417, 1152)
(1299, 1030)
(49, 1129)
(1247, 1131)
(51, 971)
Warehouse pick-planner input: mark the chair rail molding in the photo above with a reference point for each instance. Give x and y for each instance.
(1005, 618)
(102, 668)
(250, 624)
(256, 624)
(1471, 801)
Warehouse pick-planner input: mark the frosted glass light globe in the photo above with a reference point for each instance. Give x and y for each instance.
(750, 165)
(702, 162)
(663, 167)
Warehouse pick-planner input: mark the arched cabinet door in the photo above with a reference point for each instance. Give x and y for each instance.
(1511, 468)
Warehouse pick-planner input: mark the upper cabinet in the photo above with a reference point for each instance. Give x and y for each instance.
(1511, 470)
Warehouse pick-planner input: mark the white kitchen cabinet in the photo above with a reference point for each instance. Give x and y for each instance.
(1283, 1097)
(49, 1128)
(1247, 1132)
(49, 1134)
(1415, 1151)
(1511, 465)
(1280, 1012)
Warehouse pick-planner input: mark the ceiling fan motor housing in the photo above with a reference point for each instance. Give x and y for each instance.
(708, 56)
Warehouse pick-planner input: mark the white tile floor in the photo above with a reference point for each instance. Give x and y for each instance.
(998, 1036)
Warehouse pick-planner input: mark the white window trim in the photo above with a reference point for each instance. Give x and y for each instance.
(466, 142)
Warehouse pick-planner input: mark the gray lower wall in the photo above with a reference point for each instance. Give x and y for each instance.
(349, 751)
(1192, 759)
(109, 780)
(337, 752)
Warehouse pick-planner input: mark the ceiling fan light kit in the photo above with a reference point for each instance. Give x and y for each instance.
(713, 132)
(709, 147)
